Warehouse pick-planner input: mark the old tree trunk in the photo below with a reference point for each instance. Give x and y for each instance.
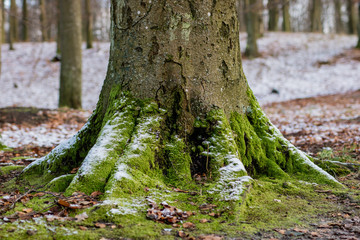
(175, 103)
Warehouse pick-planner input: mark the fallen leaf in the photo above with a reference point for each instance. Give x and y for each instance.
(63, 203)
(27, 210)
(188, 225)
(95, 194)
(100, 225)
(182, 234)
(204, 220)
(81, 217)
(83, 228)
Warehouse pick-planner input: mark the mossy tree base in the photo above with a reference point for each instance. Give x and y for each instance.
(137, 147)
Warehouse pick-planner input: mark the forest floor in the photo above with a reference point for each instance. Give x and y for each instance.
(326, 127)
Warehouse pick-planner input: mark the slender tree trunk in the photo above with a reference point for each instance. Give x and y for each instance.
(1, 32)
(241, 15)
(351, 11)
(25, 30)
(286, 26)
(58, 45)
(358, 27)
(70, 45)
(251, 28)
(273, 6)
(175, 103)
(43, 21)
(316, 11)
(260, 25)
(88, 24)
(3, 22)
(339, 27)
(13, 24)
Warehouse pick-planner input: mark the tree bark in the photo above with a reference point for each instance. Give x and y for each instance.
(251, 16)
(273, 6)
(13, 24)
(315, 12)
(339, 27)
(358, 27)
(70, 46)
(1, 32)
(25, 30)
(88, 24)
(241, 15)
(351, 10)
(43, 21)
(286, 27)
(175, 103)
(3, 22)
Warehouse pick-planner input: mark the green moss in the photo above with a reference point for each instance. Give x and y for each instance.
(60, 184)
(8, 169)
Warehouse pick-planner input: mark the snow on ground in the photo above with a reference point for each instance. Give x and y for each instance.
(288, 64)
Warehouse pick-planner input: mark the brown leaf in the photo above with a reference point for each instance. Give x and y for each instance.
(83, 228)
(95, 194)
(203, 220)
(182, 234)
(100, 225)
(63, 203)
(27, 210)
(188, 225)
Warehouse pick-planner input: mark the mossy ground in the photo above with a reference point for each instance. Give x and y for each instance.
(269, 204)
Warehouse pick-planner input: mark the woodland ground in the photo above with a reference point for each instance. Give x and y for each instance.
(326, 127)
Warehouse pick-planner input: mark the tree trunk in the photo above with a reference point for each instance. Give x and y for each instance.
(358, 27)
(273, 6)
(286, 27)
(351, 10)
(315, 12)
(13, 24)
(70, 46)
(260, 26)
(88, 24)
(1, 33)
(251, 16)
(175, 103)
(25, 30)
(3, 21)
(43, 21)
(241, 15)
(338, 21)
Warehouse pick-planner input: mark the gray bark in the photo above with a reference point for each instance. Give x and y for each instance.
(88, 24)
(353, 18)
(43, 21)
(25, 30)
(13, 24)
(358, 27)
(315, 13)
(339, 27)
(70, 46)
(273, 6)
(251, 28)
(286, 27)
(1, 33)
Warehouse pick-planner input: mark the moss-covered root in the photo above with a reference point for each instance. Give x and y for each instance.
(264, 150)
(122, 161)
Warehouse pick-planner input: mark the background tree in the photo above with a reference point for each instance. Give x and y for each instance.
(88, 24)
(70, 47)
(3, 21)
(339, 27)
(352, 17)
(24, 21)
(286, 27)
(43, 21)
(251, 16)
(315, 16)
(13, 24)
(175, 102)
(1, 34)
(358, 25)
(273, 6)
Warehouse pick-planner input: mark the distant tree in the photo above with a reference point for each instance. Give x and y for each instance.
(339, 27)
(315, 16)
(273, 6)
(24, 21)
(251, 15)
(13, 24)
(351, 11)
(258, 8)
(358, 27)
(70, 47)
(3, 21)
(241, 15)
(1, 32)
(286, 27)
(88, 24)
(43, 21)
